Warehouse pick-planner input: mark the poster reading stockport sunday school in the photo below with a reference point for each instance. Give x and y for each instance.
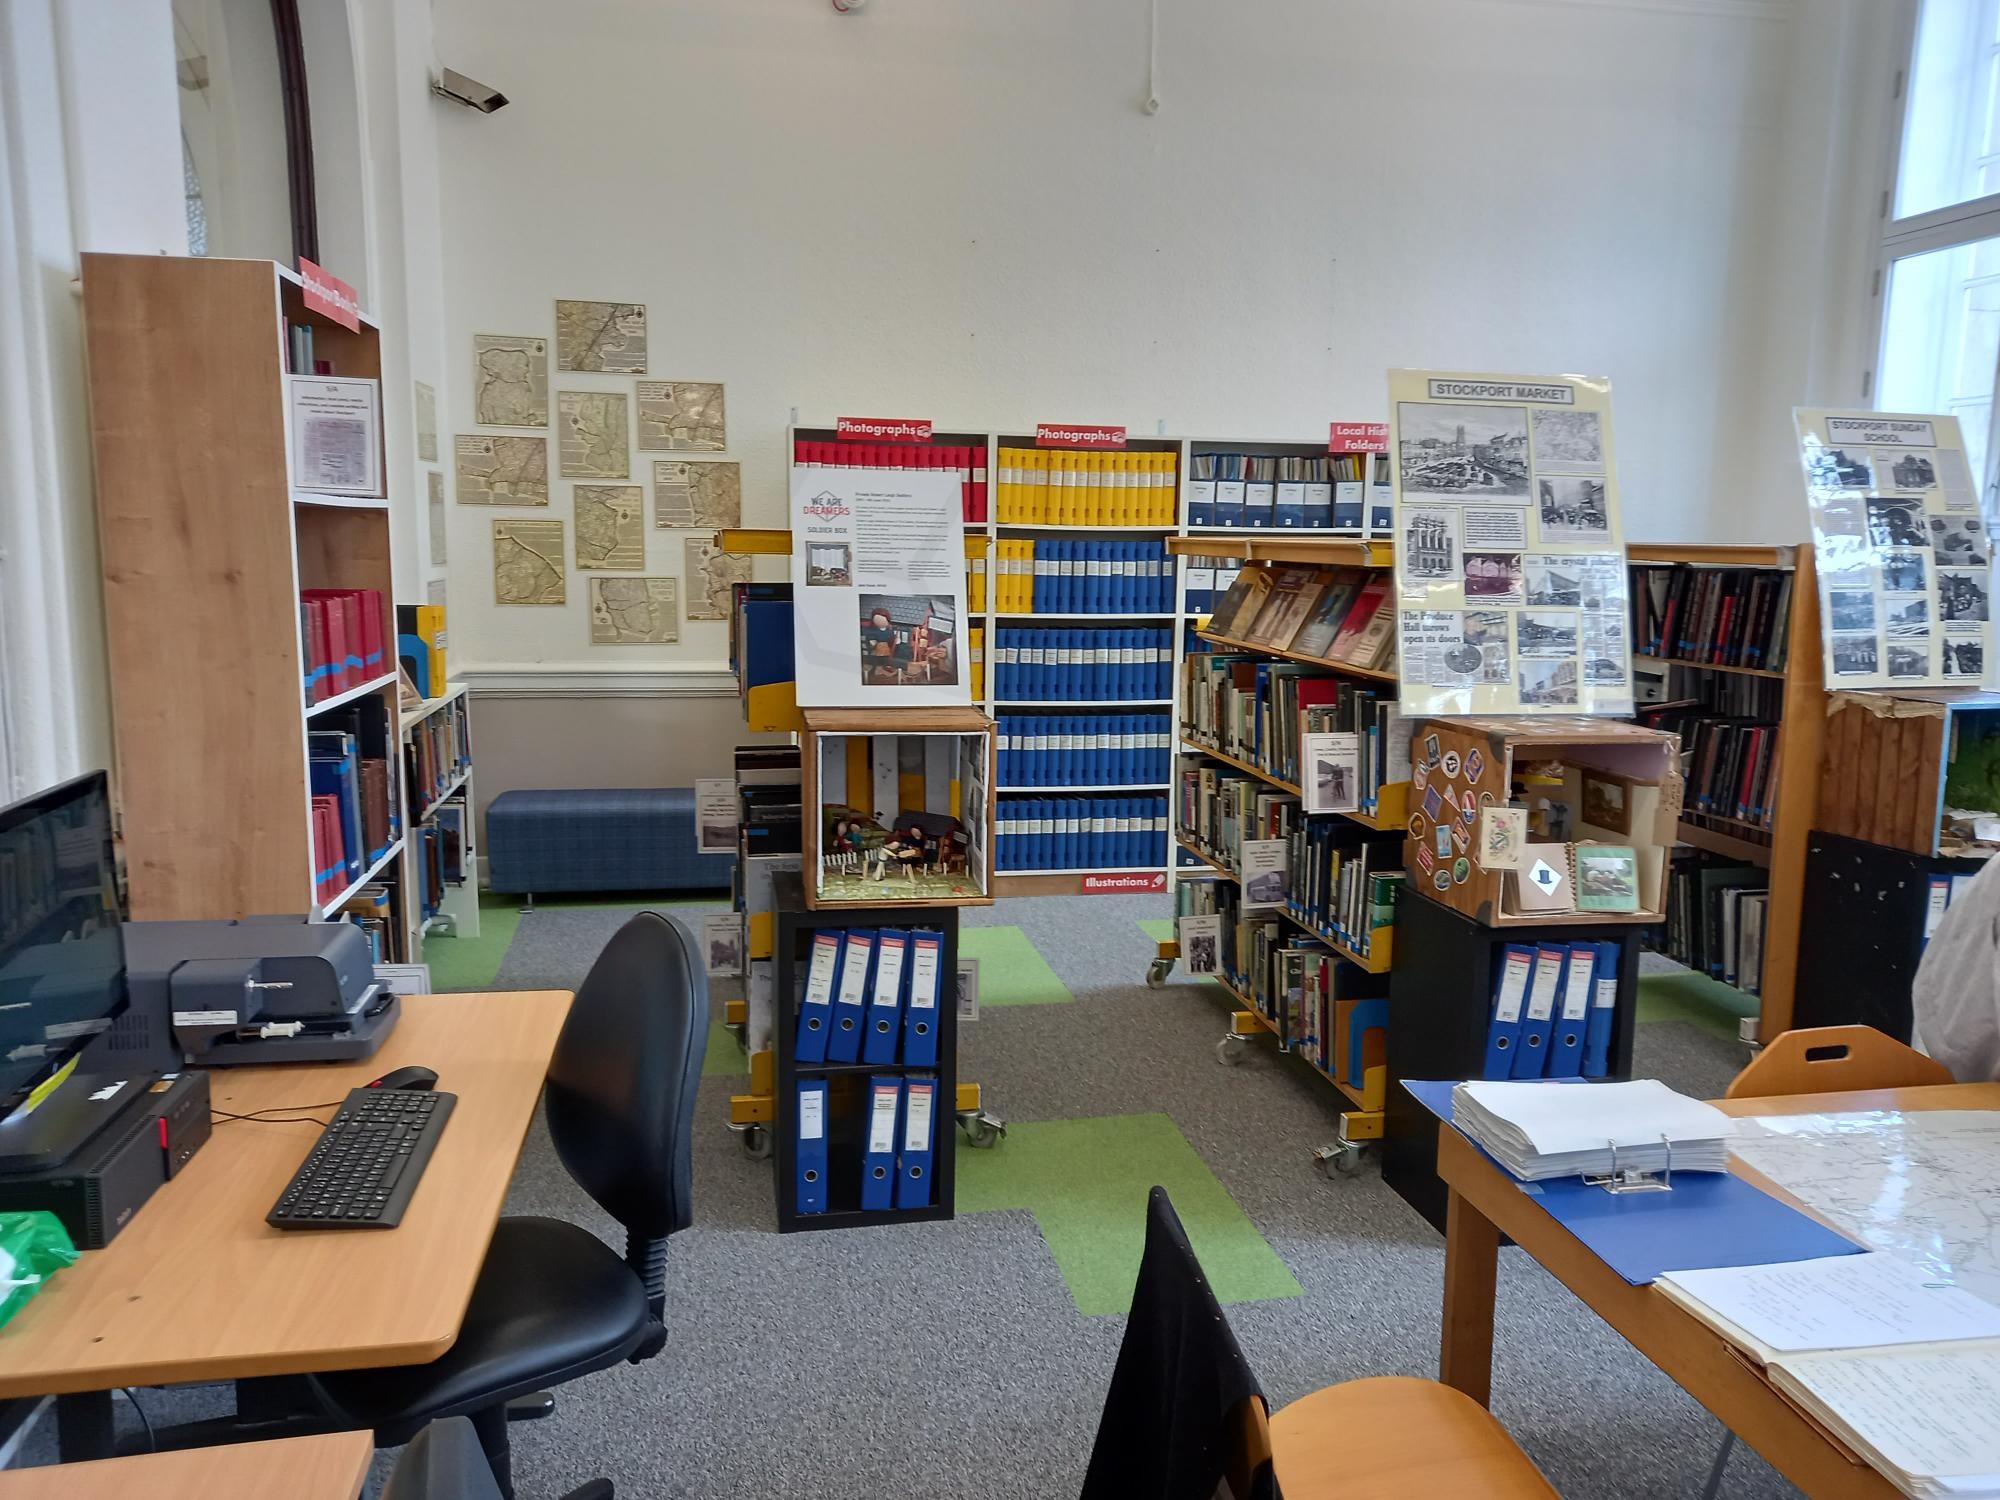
(1510, 550)
(1901, 545)
(878, 588)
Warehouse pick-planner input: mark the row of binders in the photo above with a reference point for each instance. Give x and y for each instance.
(1085, 664)
(872, 992)
(1080, 833)
(341, 632)
(1082, 578)
(966, 460)
(896, 1152)
(1058, 487)
(1553, 1005)
(1321, 492)
(1080, 750)
(1727, 616)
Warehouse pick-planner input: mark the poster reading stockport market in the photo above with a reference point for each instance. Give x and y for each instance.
(1510, 551)
(1902, 549)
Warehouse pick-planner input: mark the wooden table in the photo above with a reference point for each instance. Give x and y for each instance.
(333, 1466)
(198, 1287)
(1486, 1202)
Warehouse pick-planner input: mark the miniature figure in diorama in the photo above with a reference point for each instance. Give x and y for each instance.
(849, 836)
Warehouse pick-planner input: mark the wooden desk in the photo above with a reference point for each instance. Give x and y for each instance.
(1486, 1202)
(199, 1287)
(333, 1466)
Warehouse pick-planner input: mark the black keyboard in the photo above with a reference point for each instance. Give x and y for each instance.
(367, 1163)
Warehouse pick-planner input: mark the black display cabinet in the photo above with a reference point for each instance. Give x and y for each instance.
(1440, 1000)
(847, 1083)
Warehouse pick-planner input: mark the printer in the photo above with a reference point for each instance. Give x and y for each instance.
(261, 989)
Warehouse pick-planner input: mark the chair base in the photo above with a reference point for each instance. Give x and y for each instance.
(532, 1407)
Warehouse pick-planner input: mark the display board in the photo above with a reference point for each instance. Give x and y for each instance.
(1510, 549)
(878, 579)
(1902, 547)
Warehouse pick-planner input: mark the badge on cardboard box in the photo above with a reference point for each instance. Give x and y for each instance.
(1450, 763)
(1503, 834)
(1475, 762)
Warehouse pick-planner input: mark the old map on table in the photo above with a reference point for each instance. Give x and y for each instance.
(528, 562)
(634, 611)
(502, 470)
(712, 575)
(510, 380)
(603, 336)
(611, 526)
(594, 442)
(677, 414)
(702, 493)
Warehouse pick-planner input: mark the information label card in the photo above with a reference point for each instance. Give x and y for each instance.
(1510, 549)
(1902, 549)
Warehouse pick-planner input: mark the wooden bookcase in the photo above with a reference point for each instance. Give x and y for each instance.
(205, 546)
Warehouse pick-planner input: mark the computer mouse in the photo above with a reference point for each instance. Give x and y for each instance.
(423, 1080)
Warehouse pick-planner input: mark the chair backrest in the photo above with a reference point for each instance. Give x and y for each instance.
(621, 1085)
(1834, 1059)
(1184, 1411)
(442, 1462)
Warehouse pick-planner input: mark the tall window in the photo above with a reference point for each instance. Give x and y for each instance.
(1941, 251)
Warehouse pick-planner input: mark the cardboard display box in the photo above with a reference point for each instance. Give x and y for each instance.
(1913, 769)
(1601, 782)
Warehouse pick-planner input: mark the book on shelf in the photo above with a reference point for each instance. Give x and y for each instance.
(1064, 487)
(1242, 603)
(1080, 833)
(340, 632)
(1716, 913)
(421, 641)
(1344, 884)
(1082, 664)
(1369, 629)
(1293, 594)
(966, 460)
(1738, 617)
(1328, 613)
(1095, 577)
(1257, 710)
(1083, 750)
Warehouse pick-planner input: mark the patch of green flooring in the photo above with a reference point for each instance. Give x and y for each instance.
(459, 963)
(1159, 929)
(724, 1056)
(1086, 1181)
(1012, 970)
(1696, 999)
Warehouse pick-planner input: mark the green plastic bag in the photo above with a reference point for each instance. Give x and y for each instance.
(33, 1247)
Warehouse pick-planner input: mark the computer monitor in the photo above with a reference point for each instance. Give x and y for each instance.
(62, 948)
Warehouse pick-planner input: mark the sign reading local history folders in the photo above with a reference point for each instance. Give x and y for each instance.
(878, 602)
(1510, 550)
(1902, 549)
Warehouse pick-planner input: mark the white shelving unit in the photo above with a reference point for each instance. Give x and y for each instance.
(458, 911)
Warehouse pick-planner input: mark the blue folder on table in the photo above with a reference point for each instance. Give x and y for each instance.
(816, 1006)
(811, 1149)
(913, 1162)
(878, 1153)
(1538, 1017)
(885, 995)
(1573, 1012)
(1603, 1008)
(1710, 1219)
(850, 999)
(920, 1016)
(1510, 992)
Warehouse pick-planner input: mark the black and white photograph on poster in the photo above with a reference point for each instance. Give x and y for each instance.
(1964, 660)
(1447, 648)
(1485, 630)
(1548, 683)
(1572, 508)
(1895, 522)
(1431, 542)
(1546, 633)
(1201, 942)
(1552, 580)
(1904, 469)
(1906, 660)
(1332, 766)
(1907, 614)
(1955, 477)
(1493, 578)
(1962, 595)
(829, 565)
(1958, 541)
(1568, 442)
(1843, 516)
(908, 638)
(1839, 469)
(1496, 528)
(1604, 656)
(1461, 452)
(1851, 611)
(1855, 655)
(1902, 573)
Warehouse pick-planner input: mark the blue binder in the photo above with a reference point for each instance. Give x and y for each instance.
(1510, 993)
(921, 1015)
(885, 995)
(810, 1157)
(816, 1006)
(1603, 1009)
(913, 1163)
(850, 999)
(1538, 1017)
(878, 1150)
(1573, 1012)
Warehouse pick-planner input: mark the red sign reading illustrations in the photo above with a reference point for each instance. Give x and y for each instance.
(327, 293)
(1069, 435)
(882, 430)
(1124, 885)
(1357, 437)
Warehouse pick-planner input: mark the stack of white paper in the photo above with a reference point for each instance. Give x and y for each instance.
(1540, 1130)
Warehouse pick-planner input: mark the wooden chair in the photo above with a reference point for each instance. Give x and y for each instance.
(1397, 1435)
(1835, 1059)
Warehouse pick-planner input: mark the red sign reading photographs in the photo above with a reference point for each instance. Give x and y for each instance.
(1124, 885)
(882, 430)
(1069, 435)
(1357, 437)
(328, 294)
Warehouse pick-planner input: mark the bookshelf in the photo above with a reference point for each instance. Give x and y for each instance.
(1794, 696)
(206, 544)
(437, 733)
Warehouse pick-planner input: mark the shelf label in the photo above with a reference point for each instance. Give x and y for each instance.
(327, 293)
(882, 429)
(1357, 437)
(1070, 435)
(1124, 885)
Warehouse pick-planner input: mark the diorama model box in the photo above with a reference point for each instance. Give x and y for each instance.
(1916, 769)
(898, 806)
(1583, 781)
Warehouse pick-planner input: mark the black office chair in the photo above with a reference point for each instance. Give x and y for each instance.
(552, 1303)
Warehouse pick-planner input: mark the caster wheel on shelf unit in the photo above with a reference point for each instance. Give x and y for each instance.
(1343, 1159)
(982, 1129)
(756, 1141)
(1232, 1049)
(1157, 972)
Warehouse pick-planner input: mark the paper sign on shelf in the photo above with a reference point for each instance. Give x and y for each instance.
(1124, 885)
(328, 294)
(882, 429)
(1071, 435)
(1357, 437)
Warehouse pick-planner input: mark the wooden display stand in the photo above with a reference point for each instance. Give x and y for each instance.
(1888, 752)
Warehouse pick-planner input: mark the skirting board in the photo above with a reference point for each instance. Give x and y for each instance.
(696, 680)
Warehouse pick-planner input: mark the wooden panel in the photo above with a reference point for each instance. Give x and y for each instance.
(1928, 779)
(1797, 805)
(199, 1287)
(332, 1466)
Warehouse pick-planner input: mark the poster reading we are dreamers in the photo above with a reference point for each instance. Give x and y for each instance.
(1510, 550)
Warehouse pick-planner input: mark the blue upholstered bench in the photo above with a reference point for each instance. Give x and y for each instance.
(598, 840)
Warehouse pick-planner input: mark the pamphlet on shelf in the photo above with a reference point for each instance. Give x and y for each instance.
(336, 435)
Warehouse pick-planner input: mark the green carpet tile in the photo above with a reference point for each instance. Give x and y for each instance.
(1159, 929)
(1086, 1181)
(1012, 970)
(725, 1056)
(1696, 999)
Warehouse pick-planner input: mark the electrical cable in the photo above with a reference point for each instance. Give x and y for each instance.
(152, 1443)
(285, 1114)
